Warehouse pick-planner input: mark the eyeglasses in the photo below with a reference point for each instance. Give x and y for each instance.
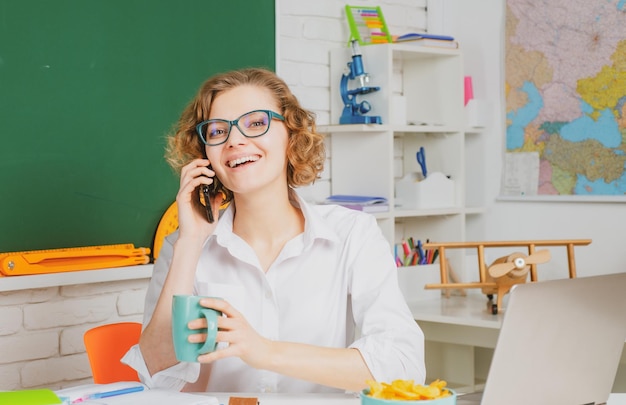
(251, 125)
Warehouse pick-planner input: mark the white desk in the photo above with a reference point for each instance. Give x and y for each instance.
(461, 334)
(335, 399)
(294, 399)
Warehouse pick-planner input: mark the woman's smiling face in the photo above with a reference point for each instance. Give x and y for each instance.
(249, 164)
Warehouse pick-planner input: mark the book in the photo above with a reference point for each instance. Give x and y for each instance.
(422, 35)
(420, 39)
(359, 202)
(355, 199)
(366, 208)
(435, 43)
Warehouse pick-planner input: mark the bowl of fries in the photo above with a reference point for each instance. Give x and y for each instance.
(405, 392)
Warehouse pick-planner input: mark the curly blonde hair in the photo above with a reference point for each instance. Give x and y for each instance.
(305, 150)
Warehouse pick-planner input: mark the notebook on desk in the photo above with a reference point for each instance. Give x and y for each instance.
(128, 393)
(560, 343)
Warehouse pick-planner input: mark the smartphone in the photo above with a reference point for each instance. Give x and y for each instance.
(209, 192)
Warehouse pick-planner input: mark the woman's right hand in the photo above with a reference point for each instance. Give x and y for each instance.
(194, 229)
(192, 217)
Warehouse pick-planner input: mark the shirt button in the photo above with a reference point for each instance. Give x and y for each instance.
(268, 295)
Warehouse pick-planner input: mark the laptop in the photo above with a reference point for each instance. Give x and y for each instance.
(560, 343)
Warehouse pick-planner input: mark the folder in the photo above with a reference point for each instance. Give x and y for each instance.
(30, 397)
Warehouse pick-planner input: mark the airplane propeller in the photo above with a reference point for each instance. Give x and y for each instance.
(517, 263)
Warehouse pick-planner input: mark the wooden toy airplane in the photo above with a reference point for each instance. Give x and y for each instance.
(500, 276)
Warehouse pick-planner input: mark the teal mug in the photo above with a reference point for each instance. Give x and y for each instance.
(186, 308)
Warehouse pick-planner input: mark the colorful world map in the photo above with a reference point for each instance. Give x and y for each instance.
(565, 73)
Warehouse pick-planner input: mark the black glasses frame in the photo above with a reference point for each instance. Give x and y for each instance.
(271, 114)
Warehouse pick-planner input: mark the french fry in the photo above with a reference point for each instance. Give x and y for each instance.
(407, 390)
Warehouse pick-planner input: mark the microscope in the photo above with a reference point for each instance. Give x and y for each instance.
(353, 112)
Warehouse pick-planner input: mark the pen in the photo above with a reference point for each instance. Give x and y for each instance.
(435, 255)
(405, 246)
(411, 243)
(107, 394)
(407, 261)
(420, 252)
(421, 160)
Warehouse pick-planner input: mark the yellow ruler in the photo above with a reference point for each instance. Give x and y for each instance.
(72, 259)
(169, 223)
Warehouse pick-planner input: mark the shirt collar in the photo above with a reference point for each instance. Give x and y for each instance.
(315, 225)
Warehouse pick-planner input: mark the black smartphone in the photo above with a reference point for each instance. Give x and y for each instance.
(210, 191)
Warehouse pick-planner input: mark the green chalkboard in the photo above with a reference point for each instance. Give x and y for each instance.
(88, 91)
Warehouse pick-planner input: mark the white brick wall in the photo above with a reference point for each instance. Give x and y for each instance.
(307, 31)
(41, 330)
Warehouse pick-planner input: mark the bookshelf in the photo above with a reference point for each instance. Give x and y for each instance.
(370, 159)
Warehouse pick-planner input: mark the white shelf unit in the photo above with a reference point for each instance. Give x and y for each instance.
(369, 159)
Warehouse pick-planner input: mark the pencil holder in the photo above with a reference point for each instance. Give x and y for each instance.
(435, 191)
(412, 280)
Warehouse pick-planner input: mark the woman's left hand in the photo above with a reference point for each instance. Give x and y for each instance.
(243, 341)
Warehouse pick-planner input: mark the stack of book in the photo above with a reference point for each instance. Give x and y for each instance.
(358, 202)
(423, 39)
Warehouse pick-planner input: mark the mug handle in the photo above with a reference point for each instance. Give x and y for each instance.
(211, 319)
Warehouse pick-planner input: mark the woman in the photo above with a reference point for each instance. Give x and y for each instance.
(298, 281)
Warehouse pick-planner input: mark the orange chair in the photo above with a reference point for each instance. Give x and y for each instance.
(106, 345)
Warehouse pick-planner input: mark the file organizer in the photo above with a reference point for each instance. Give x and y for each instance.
(435, 191)
(72, 259)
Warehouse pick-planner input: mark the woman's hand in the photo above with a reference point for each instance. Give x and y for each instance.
(342, 368)
(243, 341)
(192, 218)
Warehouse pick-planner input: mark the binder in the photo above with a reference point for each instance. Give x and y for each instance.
(72, 259)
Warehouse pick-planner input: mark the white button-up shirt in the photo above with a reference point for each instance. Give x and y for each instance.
(335, 285)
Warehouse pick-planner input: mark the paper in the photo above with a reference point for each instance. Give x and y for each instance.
(80, 392)
(156, 397)
(148, 396)
(521, 174)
